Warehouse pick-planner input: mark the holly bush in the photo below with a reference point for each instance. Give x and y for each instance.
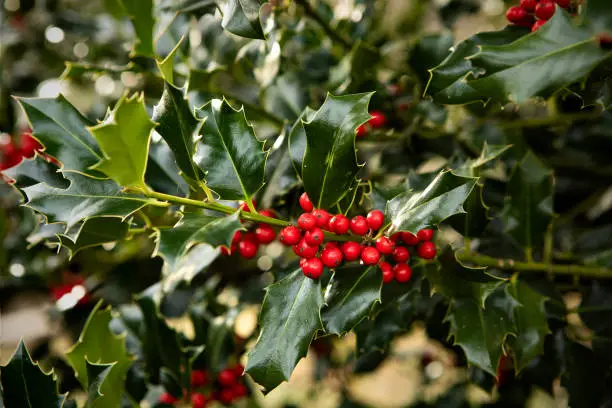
(349, 169)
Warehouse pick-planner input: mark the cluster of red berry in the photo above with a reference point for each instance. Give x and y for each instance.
(525, 15)
(307, 238)
(377, 120)
(227, 388)
(247, 243)
(11, 153)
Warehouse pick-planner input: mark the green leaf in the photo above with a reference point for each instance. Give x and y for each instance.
(297, 140)
(474, 221)
(470, 167)
(220, 341)
(166, 66)
(482, 331)
(229, 153)
(97, 344)
(140, 13)
(195, 228)
(24, 384)
(597, 16)
(98, 374)
(63, 131)
(162, 173)
(330, 164)
(529, 205)
(241, 17)
(94, 232)
(179, 128)
(290, 317)
(287, 97)
(85, 198)
(350, 296)
(531, 322)
(428, 52)
(553, 57)
(34, 171)
(45, 232)
(443, 197)
(448, 81)
(124, 138)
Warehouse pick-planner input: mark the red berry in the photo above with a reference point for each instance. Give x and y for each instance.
(425, 235)
(313, 268)
(168, 399)
(564, 3)
(537, 25)
(199, 378)
(351, 250)
(385, 245)
(247, 248)
(527, 22)
(332, 258)
(322, 217)
(303, 250)
(370, 255)
(376, 219)
(378, 119)
(339, 224)
(225, 251)
(544, 11)
(28, 145)
(396, 237)
(427, 250)
(605, 40)
(387, 272)
(331, 244)
(385, 266)
(238, 369)
(226, 377)
(516, 14)
(410, 239)
(359, 225)
(529, 5)
(268, 213)
(307, 221)
(401, 254)
(198, 400)
(265, 234)
(314, 237)
(245, 207)
(240, 390)
(226, 396)
(305, 203)
(361, 131)
(402, 272)
(290, 235)
(237, 237)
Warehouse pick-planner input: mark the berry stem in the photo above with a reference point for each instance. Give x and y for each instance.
(594, 272)
(252, 216)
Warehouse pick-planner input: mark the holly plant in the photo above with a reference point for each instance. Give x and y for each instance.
(347, 171)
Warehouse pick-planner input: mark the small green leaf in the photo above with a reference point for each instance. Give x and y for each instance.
(229, 153)
(140, 13)
(349, 298)
(124, 137)
(179, 128)
(193, 228)
(94, 232)
(97, 344)
(85, 198)
(297, 140)
(63, 131)
(98, 374)
(470, 167)
(162, 173)
(34, 171)
(290, 317)
(443, 197)
(529, 205)
(330, 164)
(166, 66)
(241, 17)
(531, 322)
(23, 383)
(474, 221)
(482, 331)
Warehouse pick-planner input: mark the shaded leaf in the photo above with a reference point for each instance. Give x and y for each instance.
(94, 232)
(429, 51)
(98, 375)
(85, 198)
(297, 140)
(23, 383)
(220, 341)
(34, 171)
(330, 164)
(287, 97)
(140, 13)
(473, 222)
(124, 138)
(98, 345)
(229, 153)
(62, 130)
(162, 171)
(529, 205)
(290, 317)
(241, 17)
(443, 197)
(350, 296)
